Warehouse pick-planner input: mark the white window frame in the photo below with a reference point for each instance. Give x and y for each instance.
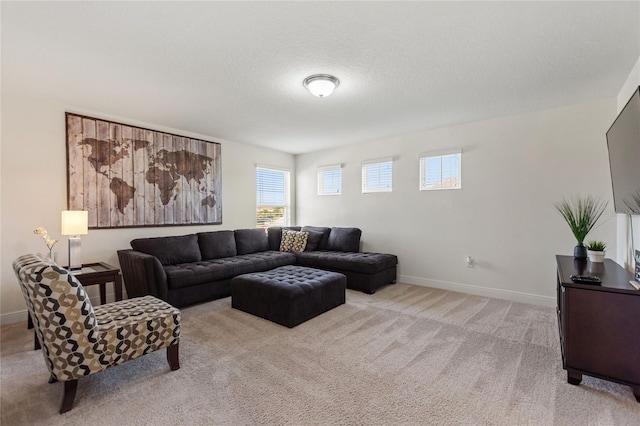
(366, 165)
(287, 193)
(430, 155)
(328, 172)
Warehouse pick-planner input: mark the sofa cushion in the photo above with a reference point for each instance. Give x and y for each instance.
(322, 245)
(191, 274)
(364, 263)
(274, 235)
(293, 241)
(313, 239)
(217, 244)
(344, 239)
(267, 260)
(170, 250)
(251, 240)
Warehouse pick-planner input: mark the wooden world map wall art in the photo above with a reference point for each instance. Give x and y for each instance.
(127, 176)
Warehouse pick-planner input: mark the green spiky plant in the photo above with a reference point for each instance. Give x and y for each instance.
(634, 203)
(596, 245)
(581, 214)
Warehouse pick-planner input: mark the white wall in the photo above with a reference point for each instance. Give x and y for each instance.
(34, 191)
(625, 253)
(514, 169)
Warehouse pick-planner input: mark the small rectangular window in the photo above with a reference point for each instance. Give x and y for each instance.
(330, 180)
(272, 197)
(440, 170)
(377, 175)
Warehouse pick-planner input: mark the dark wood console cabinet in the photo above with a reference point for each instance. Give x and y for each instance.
(599, 324)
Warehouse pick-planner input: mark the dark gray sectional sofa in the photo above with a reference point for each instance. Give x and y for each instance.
(189, 269)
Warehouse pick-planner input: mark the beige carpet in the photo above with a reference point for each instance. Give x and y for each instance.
(406, 355)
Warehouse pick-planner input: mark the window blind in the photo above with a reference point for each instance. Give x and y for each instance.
(377, 176)
(330, 180)
(440, 171)
(272, 197)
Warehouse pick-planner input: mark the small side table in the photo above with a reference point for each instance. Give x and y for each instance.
(91, 274)
(100, 273)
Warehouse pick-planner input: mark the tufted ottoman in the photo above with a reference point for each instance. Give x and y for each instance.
(288, 295)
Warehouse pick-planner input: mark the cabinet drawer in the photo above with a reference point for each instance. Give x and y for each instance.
(599, 330)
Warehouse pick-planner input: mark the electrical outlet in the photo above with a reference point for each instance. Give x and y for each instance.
(470, 262)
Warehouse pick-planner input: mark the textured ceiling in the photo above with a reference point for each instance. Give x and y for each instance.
(234, 70)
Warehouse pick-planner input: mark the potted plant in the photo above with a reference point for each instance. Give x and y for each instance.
(634, 203)
(581, 214)
(596, 251)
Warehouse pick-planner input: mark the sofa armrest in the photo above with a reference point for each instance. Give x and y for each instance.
(143, 274)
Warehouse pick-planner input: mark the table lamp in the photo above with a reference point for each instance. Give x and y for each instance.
(74, 223)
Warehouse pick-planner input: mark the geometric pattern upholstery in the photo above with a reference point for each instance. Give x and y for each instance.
(293, 241)
(78, 339)
(135, 327)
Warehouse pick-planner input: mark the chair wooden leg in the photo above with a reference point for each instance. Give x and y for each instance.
(70, 389)
(173, 357)
(36, 342)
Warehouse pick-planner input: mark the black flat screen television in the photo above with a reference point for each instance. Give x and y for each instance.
(623, 142)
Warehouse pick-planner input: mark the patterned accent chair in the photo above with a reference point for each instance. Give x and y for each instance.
(77, 339)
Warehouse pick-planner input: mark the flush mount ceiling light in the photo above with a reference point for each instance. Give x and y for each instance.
(321, 85)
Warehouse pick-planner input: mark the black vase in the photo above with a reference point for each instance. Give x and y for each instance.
(580, 265)
(580, 252)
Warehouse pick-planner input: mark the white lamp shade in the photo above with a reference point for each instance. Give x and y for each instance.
(321, 85)
(75, 222)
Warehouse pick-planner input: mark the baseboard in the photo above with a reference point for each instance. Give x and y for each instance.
(514, 296)
(19, 316)
(13, 317)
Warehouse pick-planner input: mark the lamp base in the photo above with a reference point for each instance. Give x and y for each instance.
(75, 261)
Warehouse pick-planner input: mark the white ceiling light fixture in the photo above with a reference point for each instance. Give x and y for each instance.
(321, 85)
